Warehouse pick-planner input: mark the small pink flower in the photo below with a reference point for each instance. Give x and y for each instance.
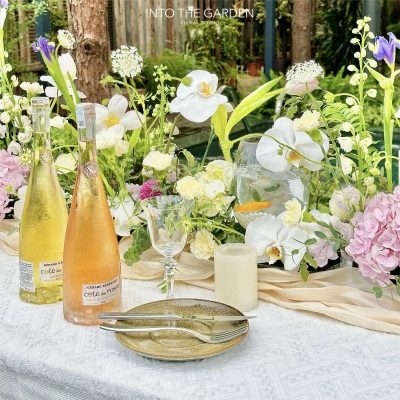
(134, 191)
(300, 88)
(322, 252)
(11, 172)
(4, 199)
(147, 189)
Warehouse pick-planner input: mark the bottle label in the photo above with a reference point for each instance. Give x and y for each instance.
(50, 271)
(100, 293)
(80, 117)
(26, 279)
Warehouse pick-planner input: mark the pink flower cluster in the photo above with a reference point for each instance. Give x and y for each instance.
(11, 176)
(375, 246)
(148, 189)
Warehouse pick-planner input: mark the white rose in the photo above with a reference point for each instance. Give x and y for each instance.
(24, 137)
(339, 206)
(293, 214)
(307, 122)
(157, 160)
(220, 169)
(214, 188)
(121, 147)
(57, 122)
(66, 163)
(190, 187)
(14, 148)
(110, 137)
(203, 245)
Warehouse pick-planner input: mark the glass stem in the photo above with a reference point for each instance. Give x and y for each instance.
(169, 265)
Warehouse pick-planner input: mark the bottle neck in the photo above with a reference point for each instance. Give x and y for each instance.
(41, 138)
(88, 158)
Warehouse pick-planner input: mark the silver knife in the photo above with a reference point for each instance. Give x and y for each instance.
(172, 317)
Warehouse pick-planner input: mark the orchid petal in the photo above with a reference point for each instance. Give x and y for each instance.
(101, 115)
(52, 92)
(292, 239)
(198, 109)
(67, 65)
(197, 76)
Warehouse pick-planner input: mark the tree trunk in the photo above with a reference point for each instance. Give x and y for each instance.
(301, 27)
(87, 21)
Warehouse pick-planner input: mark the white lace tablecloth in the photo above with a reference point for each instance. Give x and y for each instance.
(286, 355)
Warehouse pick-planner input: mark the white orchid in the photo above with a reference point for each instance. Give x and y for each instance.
(276, 158)
(274, 241)
(200, 100)
(67, 65)
(122, 214)
(114, 116)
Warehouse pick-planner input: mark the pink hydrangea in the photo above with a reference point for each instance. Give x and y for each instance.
(147, 190)
(4, 199)
(323, 251)
(11, 171)
(375, 246)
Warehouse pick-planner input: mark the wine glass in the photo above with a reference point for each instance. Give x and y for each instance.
(166, 217)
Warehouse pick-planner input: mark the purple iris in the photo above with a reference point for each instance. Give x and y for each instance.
(44, 45)
(386, 49)
(4, 3)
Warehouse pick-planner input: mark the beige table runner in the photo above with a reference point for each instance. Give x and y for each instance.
(343, 293)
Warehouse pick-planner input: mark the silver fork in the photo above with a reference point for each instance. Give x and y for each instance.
(204, 337)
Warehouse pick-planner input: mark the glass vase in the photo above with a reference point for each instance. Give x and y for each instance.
(259, 191)
(92, 275)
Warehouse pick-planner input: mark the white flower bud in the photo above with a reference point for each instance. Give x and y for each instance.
(350, 101)
(357, 54)
(372, 63)
(371, 93)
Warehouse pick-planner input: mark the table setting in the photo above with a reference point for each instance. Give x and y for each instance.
(131, 270)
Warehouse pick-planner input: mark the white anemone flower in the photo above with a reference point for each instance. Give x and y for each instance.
(107, 118)
(274, 241)
(67, 65)
(276, 158)
(200, 100)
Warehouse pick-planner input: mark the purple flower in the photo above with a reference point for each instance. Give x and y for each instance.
(322, 252)
(4, 3)
(147, 190)
(45, 46)
(386, 50)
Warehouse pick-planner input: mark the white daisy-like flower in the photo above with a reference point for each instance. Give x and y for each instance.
(114, 114)
(276, 158)
(302, 74)
(126, 61)
(200, 100)
(67, 65)
(66, 39)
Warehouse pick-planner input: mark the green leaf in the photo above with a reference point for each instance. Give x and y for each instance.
(218, 122)
(378, 291)
(308, 242)
(320, 234)
(379, 77)
(272, 188)
(134, 139)
(307, 217)
(398, 289)
(255, 195)
(316, 136)
(304, 271)
(295, 251)
(309, 260)
(292, 110)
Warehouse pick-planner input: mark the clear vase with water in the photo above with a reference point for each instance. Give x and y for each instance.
(259, 191)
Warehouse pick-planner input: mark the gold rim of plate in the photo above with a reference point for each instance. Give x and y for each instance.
(181, 346)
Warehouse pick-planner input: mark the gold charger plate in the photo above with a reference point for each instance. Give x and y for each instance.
(180, 346)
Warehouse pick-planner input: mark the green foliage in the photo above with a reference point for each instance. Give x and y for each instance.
(334, 34)
(231, 46)
(141, 242)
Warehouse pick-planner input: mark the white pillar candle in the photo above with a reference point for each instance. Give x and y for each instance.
(236, 281)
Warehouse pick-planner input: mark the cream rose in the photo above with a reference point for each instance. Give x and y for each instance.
(66, 163)
(307, 122)
(293, 214)
(203, 245)
(190, 187)
(157, 160)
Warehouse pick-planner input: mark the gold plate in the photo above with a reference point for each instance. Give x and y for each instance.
(180, 346)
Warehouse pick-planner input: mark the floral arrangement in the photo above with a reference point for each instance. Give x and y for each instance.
(351, 212)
